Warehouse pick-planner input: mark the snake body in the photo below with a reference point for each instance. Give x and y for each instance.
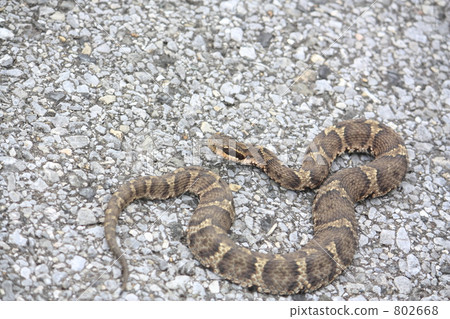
(335, 228)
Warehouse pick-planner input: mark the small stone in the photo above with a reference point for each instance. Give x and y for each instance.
(58, 276)
(377, 290)
(87, 192)
(323, 86)
(107, 99)
(234, 187)
(118, 134)
(51, 213)
(71, 20)
(14, 196)
(17, 238)
(131, 297)
(236, 34)
(195, 101)
(39, 185)
(385, 112)
(163, 265)
(103, 48)
(248, 222)
(84, 89)
(197, 289)
(92, 80)
(357, 298)
(63, 76)
(293, 237)
(68, 87)
(143, 77)
(6, 60)
(423, 134)
(206, 128)
(403, 241)
(30, 83)
(58, 16)
(6, 34)
(38, 109)
(78, 141)
(25, 272)
(442, 242)
(354, 288)
(424, 147)
(41, 270)
(96, 111)
(413, 264)
(66, 151)
(60, 121)
(387, 237)
(87, 49)
(8, 291)
(363, 240)
(415, 34)
(403, 284)
(172, 46)
(124, 128)
(198, 41)
(264, 38)
(56, 95)
(229, 89)
(229, 5)
(168, 218)
(77, 263)
(247, 52)
(178, 282)
(214, 287)
(132, 243)
(228, 100)
(317, 59)
(98, 232)
(12, 72)
(112, 285)
(86, 217)
(276, 99)
(148, 237)
(324, 72)
(181, 71)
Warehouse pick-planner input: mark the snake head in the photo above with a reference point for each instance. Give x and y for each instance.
(231, 149)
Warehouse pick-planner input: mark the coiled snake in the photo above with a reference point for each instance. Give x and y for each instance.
(335, 228)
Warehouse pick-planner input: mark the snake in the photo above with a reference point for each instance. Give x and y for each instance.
(334, 242)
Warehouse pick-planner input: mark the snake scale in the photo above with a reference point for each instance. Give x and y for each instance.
(335, 228)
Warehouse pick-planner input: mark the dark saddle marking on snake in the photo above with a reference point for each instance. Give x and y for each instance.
(335, 228)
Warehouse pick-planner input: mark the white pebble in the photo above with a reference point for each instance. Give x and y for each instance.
(403, 284)
(77, 263)
(247, 52)
(236, 34)
(403, 241)
(387, 237)
(6, 34)
(214, 287)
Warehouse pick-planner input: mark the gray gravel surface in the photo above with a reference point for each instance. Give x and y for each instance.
(93, 93)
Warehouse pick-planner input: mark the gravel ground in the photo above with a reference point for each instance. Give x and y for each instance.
(93, 93)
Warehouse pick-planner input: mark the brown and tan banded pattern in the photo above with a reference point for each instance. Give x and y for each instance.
(335, 229)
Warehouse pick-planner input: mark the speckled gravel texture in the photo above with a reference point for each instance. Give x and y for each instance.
(93, 93)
